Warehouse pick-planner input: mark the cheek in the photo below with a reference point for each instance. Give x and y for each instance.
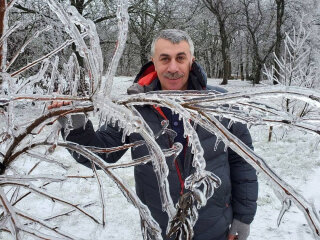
(160, 68)
(187, 68)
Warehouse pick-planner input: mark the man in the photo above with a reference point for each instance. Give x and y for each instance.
(173, 67)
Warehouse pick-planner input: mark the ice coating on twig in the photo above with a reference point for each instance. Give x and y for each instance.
(259, 164)
(92, 56)
(159, 165)
(150, 226)
(213, 125)
(33, 79)
(201, 177)
(123, 19)
(238, 107)
(21, 50)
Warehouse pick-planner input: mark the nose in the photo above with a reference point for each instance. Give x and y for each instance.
(173, 66)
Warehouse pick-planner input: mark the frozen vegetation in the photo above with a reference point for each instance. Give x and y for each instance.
(292, 154)
(45, 194)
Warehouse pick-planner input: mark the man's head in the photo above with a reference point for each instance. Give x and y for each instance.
(172, 54)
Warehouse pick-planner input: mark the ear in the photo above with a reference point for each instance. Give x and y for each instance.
(192, 61)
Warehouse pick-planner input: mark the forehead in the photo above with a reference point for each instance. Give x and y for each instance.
(163, 46)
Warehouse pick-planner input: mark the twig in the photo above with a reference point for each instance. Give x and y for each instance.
(115, 149)
(49, 196)
(94, 169)
(68, 212)
(58, 49)
(42, 223)
(46, 159)
(258, 163)
(9, 156)
(14, 222)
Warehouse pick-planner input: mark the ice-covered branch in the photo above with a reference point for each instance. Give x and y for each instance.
(14, 27)
(52, 53)
(212, 124)
(265, 119)
(46, 159)
(55, 229)
(201, 178)
(93, 55)
(11, 214)
(304, 94)
(123, 19)
(47, 195)
(151, 226)
(101, 193)
(21, 50)
(258, 163)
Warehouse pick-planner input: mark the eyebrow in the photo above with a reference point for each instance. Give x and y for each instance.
(167, 55)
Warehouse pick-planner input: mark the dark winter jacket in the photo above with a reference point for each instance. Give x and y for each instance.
(235, 198)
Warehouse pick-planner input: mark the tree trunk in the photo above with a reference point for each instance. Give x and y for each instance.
(241, 71)
(247, 64)
(277, 51)
(213, 62)
(143, 52)
(3, 7)
(83, 87)
(207, 63)
(241, 64)
(225, 61)
(257, 74)
(3, 46)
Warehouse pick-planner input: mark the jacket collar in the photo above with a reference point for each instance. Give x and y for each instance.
(147, 79)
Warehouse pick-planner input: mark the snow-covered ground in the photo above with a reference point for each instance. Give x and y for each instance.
(292, 154)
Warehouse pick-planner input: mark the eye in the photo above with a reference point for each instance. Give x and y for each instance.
(164, 59)
(181, 58)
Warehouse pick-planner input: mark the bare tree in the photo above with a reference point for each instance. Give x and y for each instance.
(259, 22)
(223, 11)
(279, 36)
(4, 11)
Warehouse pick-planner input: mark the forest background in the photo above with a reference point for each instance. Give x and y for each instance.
(233, 38)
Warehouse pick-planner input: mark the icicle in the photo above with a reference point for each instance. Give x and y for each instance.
(230, 123)
(226, 146)
(124, 135)
(218, 140)
(177, 148)
(286, 204)
(68, 126)
(86, 119)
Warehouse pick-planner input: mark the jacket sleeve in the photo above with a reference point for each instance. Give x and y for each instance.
(106, 137)
(243, 179)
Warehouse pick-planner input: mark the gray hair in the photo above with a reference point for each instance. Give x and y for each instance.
(175, 36)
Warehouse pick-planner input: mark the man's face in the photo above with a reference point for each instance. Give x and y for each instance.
(173, 64)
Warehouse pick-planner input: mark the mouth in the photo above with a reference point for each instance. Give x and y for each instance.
(174, 79)
(174, 76)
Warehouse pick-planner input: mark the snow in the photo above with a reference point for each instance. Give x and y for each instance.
(293, 155)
